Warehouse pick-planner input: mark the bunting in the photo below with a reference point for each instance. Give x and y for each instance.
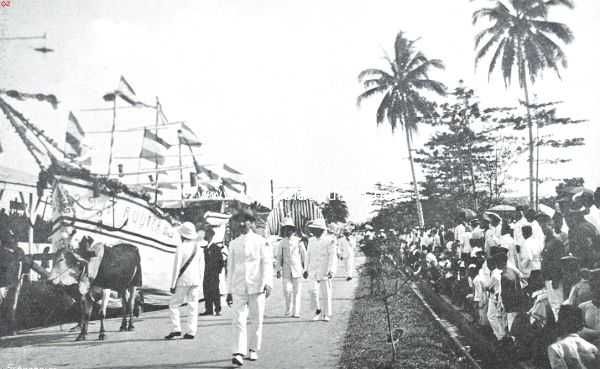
(153, 147)
(187, 136)
(74, 137)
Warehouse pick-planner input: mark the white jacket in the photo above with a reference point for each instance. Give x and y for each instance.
(321, 257)
(290, 255)
(193, 274)
(346, 247)
(249, 265)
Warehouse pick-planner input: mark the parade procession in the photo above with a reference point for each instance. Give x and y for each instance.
(281, 184)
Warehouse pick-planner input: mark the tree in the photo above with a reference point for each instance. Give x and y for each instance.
(403, 103)
(523, 38)
(465, 161)
(335, 210)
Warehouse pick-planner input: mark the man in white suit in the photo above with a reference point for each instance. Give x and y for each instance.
(290, 256)
(346, 244)
(320, 268)
(188, 270)
(249, 280)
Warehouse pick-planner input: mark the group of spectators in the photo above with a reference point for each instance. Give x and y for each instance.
(16, 222)
(530, 279)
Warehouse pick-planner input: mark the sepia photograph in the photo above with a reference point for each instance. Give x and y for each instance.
(284, 184)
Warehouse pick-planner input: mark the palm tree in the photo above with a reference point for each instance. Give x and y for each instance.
(522, 38)
(403, 103)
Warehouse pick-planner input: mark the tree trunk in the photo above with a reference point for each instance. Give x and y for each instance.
(414, 178)
(523, 75)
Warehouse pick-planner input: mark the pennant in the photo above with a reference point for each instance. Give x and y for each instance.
(74, 137)
(230, 169)
(229, 185)
(202, 169)
(153, 147)
(125, 92)
(187, 136)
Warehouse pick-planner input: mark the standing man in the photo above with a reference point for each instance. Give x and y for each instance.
(320, 268)
(214, 263)
(584, 239)
(290, 257)
(186, 282)
(249, 278)
(346, 245)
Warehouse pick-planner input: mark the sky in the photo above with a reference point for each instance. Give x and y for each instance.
(270, 86)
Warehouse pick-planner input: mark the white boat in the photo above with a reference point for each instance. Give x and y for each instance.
(113, 218)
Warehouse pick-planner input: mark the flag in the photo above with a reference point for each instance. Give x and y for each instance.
(187, 136)
(153, 147)
(227, 183)
(125, 92)
(230, 169)
(74, 137)
(202, 169)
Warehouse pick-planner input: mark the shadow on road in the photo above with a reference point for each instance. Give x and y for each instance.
(34, 339)
(195, 364)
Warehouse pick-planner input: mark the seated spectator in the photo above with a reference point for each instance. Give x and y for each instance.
(571, 351)
(591, 311)
(581, 291)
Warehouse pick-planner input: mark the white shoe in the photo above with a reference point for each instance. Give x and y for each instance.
(325, 318)
(237, 360)
(317, 317)
(296, 316)
(252, 356)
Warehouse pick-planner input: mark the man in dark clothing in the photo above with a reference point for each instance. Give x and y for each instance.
(553, 251)
(213, 257)
(584, 240)
(11, 268)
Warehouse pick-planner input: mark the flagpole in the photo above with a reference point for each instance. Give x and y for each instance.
(181, 173)
(155, 157)
(112, 134)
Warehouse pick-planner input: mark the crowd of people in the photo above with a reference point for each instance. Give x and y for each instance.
(530, 279)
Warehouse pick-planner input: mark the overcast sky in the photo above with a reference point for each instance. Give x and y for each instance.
(270, 85)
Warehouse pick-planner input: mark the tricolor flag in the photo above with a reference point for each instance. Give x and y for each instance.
(229, 183)
(125, 92)
(187, 136)
(202, 169)
(153, 147)
(230, 169)
(74, 137)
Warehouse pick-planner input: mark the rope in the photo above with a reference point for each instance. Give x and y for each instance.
(19, 129)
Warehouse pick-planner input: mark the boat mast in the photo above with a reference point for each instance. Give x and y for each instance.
(112, 133)
(156, 158)
(180, 173)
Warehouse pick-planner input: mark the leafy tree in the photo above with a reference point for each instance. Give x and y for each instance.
(522, 38)
(335, 210)
(403, 103)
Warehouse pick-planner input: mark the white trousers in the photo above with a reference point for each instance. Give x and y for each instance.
(497, 318)
(349, 266)
(555, 297)
(182, 295)
(247, 307)
(292, 288)
(323, 288)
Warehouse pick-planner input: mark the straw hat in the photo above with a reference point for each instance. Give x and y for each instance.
(188, 230)
(490, 215)
(318, 224)
(287, 222)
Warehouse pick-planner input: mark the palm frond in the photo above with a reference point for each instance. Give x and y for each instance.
(383, 107)
(431, 85)
(371, 72)
(498, 13)
(568, 3)
(486, 47)
(559, 30)
(370, 92)
(495, 58)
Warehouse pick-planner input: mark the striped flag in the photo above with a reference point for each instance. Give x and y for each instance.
(125, 92)
(74, 137)
(153, 147)
(202, 169)
(187, 136)
(231, 170)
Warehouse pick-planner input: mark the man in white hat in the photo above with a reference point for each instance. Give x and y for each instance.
(320, 267)
(290, 256)
(249, 280)
(188, 270)
(346, 245)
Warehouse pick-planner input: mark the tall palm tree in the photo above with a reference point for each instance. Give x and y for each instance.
(403, 103)
(522, 38)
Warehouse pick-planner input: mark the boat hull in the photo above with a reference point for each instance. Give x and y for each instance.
(114, 219)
